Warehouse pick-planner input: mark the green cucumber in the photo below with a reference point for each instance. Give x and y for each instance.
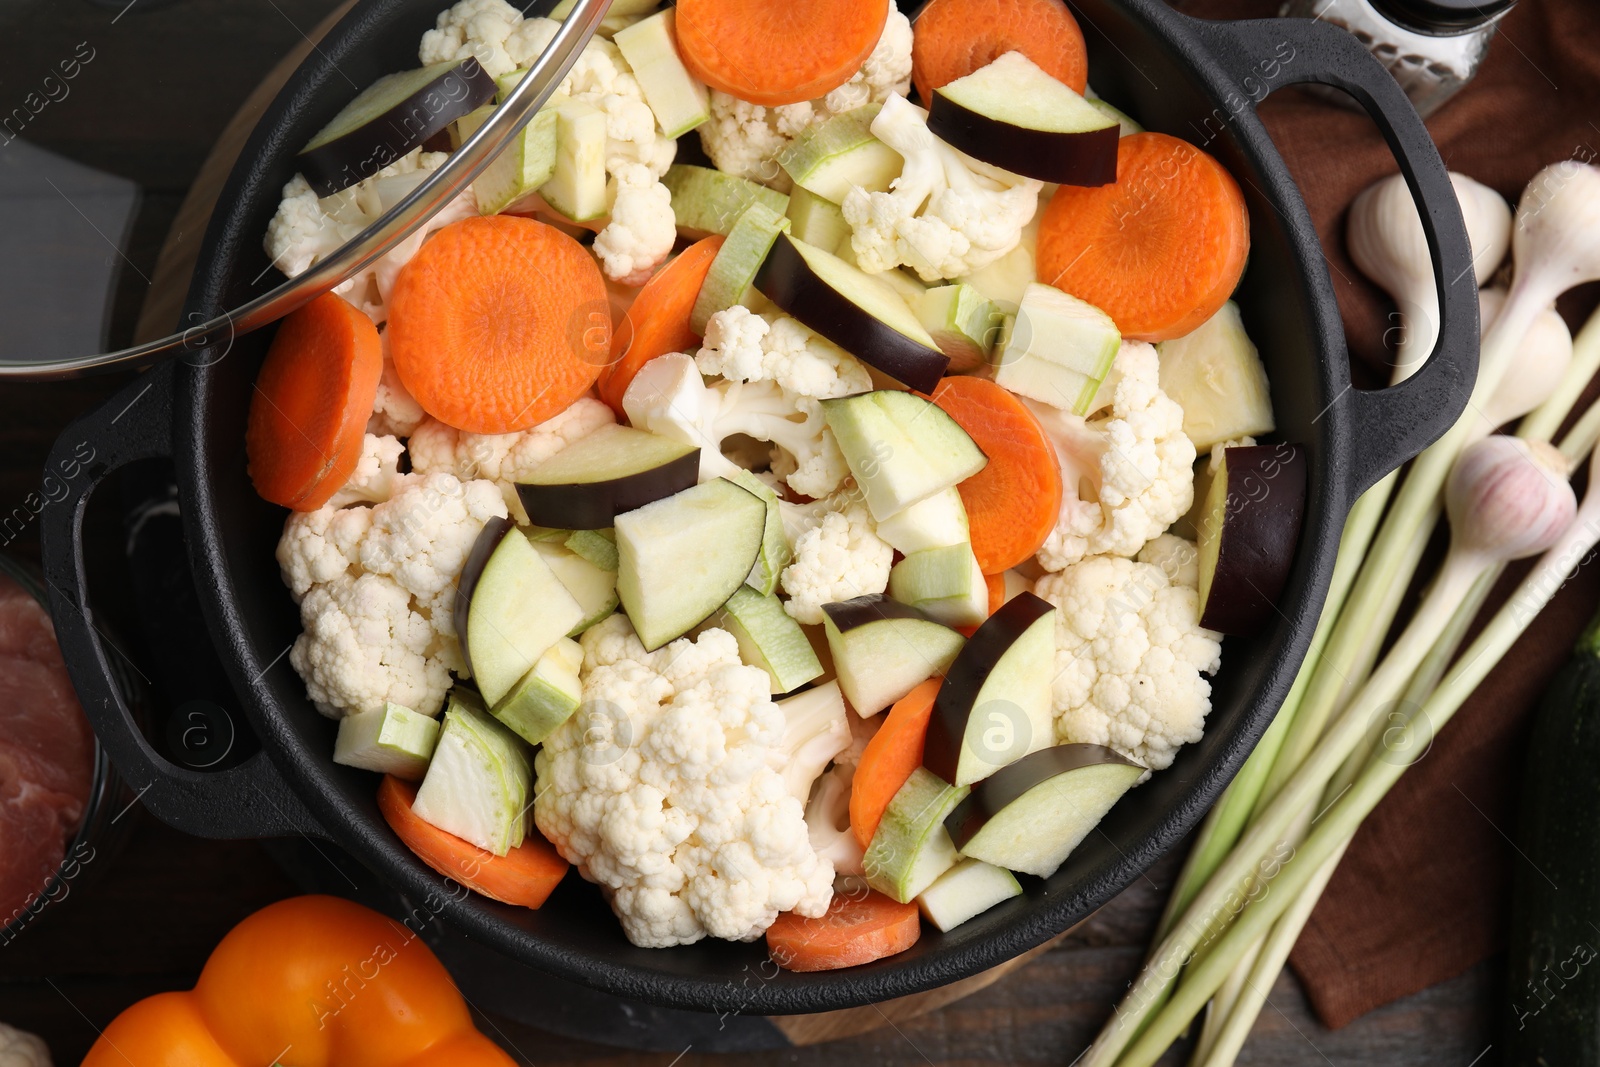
(911, 848)
(547, 695)
(577, 189)
(1058, 350)
(817, 221)
(768, 638)
(1554, 980)
(679, 99)
(733, 271)
(775, 552)
(681, 558)
(390, 740)
(834, 156)
(521, 167)
(962, 321)
(706, 201)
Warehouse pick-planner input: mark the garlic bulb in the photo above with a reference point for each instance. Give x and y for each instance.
(1538, 367)
(1508, 499)
(1386, 242)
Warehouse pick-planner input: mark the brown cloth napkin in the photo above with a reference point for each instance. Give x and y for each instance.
(1424, 892)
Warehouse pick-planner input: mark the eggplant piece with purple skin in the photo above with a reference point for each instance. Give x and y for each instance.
(994, 706)
(1028, 817)
(1247, 535)
(1012, 115)
(391, 117)
(882, 649)
(614, 470)
(494, 531)
(859, 313)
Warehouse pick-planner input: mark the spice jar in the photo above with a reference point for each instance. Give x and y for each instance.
(1432, 47)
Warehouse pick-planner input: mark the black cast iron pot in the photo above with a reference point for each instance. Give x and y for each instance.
(1197, 80)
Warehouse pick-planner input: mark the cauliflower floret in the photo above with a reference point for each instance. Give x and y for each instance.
(1131, 655)
(477, 28)
(395, 412)
(669, 397)
(377, 475)
(1128, 476)
(946, 215)
(745, 139)
(307, 229)
(376, 588)
(838, 558)
(642, 227)
(742, 346)
(665, 789)
(504, 459)
(21, 1049)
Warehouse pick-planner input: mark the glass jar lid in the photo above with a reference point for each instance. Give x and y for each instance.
(1443, 16)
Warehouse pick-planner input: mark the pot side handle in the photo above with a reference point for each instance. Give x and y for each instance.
(1390, 426)
(250, 800)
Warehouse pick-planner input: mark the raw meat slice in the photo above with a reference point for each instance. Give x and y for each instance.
(25, 628)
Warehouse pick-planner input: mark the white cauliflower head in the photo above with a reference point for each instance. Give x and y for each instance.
(21, 1049)
(946, 215)
(1131, 655)
(377, 475)
(307, 229)
(504, 459)
(376, 588)
(664, 789)
(745, 139)
(642, 229)
(1128, 476)
(838, 556)
(743, 346)
(670, 398)
(473, 28)
(395, 412)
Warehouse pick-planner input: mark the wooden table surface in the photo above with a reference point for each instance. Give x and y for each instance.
(167, 76)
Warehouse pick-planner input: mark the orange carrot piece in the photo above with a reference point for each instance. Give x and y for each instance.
(499, 323)
(956, 37)
(774, 52)
(997, 591)
(312, 398)
(1161, 250)
(858, 928)
(525, 876)
(889, 758)
(657, 321)
(1015, 501)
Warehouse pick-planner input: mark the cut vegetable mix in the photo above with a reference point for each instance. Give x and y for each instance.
(1058, 350)
(547, 695)
(911, 847)
(516, 609)
(733, 272)
(479, 783)
(706, 201)
(889, 758)
(963, 322)
(589, 483)
(521, 167)
(768, 638)
(883, 649)
(490, 324)
(679, 100)
(577, 188)
(390, 740)
(839, 154)
(900, 448)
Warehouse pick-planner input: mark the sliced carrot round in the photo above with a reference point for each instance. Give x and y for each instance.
(996, 584)
(525, 876)
(1015, 501)
(657, 322)
(858, 928)
(956, 37)
(1161, 250)
(312, 398)
(889, 758)
(775, 52)
(499, 323)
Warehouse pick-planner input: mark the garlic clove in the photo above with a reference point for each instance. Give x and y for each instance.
(1386, 241)
(1537, 368)
(1508, 498)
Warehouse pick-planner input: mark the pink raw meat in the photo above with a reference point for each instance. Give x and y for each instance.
(46, 752)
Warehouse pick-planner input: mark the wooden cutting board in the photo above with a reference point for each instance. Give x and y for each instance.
(160, 315)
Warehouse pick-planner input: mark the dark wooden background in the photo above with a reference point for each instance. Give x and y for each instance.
(167, 76)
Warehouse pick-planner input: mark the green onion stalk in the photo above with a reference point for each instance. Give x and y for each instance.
(1556, 247)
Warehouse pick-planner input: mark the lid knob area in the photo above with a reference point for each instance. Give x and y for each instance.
(1443, 16)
